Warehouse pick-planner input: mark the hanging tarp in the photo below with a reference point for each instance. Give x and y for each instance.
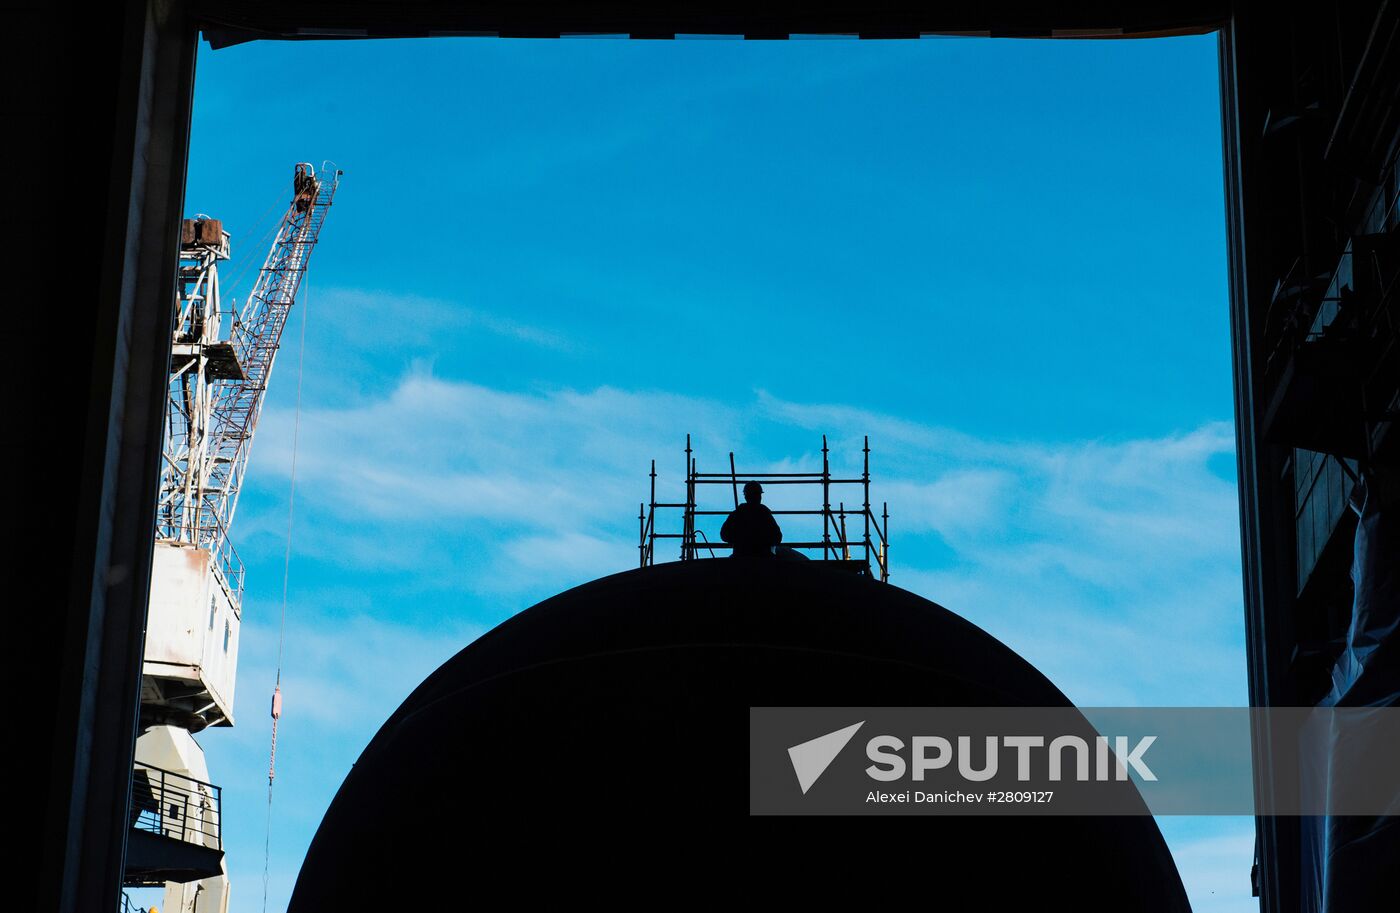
(1354, 856)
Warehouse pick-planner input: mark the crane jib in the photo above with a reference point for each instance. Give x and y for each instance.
(224, 361)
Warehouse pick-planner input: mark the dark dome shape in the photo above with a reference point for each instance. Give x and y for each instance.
(594, 748)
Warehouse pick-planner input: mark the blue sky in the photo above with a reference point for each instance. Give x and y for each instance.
(550, 260)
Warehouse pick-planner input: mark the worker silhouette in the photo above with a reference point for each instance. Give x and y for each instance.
(751, 528)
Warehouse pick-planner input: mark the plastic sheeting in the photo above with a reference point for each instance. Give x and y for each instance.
(1353, 858)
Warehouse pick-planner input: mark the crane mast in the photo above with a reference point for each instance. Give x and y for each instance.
(218, 384)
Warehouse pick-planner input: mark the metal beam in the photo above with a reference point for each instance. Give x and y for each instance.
(117, 440)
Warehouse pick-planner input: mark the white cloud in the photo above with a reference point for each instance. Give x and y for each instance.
(1113, 566)
(398, 319)
(575, 555)
(956, 503)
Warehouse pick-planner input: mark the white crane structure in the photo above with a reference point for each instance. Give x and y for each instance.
(218, 383)
(221, 364)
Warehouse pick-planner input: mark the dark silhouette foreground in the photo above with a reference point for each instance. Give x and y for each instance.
(597, 745)
(751, 528)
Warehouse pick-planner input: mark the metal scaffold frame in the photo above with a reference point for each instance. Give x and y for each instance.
(871, 550)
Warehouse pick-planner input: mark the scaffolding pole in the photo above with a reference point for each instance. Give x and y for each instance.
(835, 543)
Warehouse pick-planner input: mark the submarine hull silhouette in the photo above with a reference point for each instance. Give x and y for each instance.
(595, 746)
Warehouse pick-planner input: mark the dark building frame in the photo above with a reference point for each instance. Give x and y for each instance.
(121, 81)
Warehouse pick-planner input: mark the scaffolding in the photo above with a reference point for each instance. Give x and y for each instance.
(868, 554)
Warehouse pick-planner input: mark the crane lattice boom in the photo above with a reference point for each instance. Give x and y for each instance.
(218, 383)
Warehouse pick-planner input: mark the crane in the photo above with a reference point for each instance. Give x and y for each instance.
(220, 368)
(218, 383)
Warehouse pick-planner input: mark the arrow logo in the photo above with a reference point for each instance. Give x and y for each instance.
(811, 759)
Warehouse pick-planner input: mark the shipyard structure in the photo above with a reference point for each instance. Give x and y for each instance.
(1310, 132)
(222, 356)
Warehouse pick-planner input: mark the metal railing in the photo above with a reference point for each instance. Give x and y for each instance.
(838, 542)
(176, 806)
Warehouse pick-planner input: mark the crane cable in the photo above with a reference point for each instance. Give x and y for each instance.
(286, 576)
(247, 263)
